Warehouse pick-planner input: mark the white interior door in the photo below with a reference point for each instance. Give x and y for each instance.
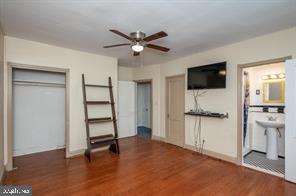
(175, 100)
(290, 129)
(126, 109)
(38, 111)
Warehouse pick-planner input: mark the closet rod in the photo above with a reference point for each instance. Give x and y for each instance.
(31, 83)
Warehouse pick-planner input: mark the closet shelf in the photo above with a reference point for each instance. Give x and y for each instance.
(213, 115)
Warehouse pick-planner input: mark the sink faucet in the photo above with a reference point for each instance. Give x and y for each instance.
(270, 118)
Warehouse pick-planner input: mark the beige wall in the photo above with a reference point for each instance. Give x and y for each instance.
(220, 134)
(1, 103)
(96, 68)
(125, 73)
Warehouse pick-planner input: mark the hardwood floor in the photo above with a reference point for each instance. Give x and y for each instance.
(144, 167)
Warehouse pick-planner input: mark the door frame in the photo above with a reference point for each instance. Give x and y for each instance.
(167, 106)
(240, 103)
(10, 131)
(150, 81)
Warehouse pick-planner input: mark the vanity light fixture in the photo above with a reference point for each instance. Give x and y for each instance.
(274, 76)
(282, 75)
(266, 77)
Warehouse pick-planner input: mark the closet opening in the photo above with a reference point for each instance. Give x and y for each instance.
(37, 111)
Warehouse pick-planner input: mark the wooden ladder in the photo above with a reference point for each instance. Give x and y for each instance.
(110, 140)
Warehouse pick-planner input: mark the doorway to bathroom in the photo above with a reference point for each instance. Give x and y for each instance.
(262, 109)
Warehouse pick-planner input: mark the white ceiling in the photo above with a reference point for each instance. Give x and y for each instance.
(192, 26)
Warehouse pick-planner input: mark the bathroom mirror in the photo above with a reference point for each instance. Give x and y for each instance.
(274, 91)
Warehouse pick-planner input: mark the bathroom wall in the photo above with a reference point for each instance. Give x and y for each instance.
(255, 139)
(256, 81)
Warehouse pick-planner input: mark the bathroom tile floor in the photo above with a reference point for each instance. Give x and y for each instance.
(258, 159)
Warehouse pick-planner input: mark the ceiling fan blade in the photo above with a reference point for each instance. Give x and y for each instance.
(156, 47)
(155, 36)
(110, 46)
(136, 53)
(120, 34)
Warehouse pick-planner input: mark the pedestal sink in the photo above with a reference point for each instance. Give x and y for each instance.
(272, 132)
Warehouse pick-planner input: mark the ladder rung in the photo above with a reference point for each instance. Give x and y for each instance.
(100, 144)
(102, 138)
(100, 120)
(97, 102)
(100, 86)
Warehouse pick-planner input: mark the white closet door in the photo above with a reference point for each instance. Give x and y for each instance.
(290, 115)
(126, 109)
(38, 111)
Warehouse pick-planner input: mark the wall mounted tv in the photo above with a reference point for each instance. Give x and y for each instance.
(211, 76)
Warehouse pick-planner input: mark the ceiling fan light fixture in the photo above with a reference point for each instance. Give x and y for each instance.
(137, 47)
(139, 41)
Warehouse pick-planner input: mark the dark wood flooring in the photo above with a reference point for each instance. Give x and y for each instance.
(144, 167)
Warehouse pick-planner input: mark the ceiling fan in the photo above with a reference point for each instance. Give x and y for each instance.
(138, 41)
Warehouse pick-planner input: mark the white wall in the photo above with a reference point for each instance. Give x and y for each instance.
(96, 68)
(125, 73)
(256, 81)
(1, 103)
(220, 135)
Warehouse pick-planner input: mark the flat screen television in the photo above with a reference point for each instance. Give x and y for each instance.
(211, 76)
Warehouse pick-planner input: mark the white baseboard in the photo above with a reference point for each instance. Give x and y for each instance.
(2, 174)
(214, 154)
(75, 153)
(158, 138)
(206, 152)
